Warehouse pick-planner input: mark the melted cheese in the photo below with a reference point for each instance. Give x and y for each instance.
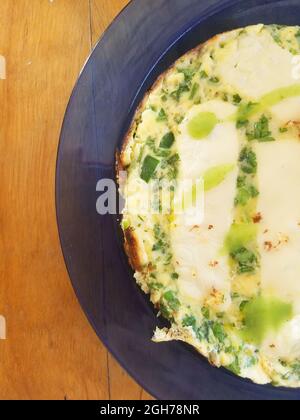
(197, 249)
(279, 205)
(256, 54)
(279, 239)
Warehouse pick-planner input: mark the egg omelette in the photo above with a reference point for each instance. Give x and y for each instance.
(228, 114)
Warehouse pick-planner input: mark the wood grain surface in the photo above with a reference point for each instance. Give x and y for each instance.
(51, 352)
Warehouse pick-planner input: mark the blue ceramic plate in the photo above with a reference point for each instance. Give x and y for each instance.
(142, 42)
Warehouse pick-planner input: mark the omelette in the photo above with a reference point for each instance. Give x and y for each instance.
(210, 173)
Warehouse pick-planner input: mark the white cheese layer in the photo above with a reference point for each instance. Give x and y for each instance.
(197, 250)
(279, 238)
(256, 54)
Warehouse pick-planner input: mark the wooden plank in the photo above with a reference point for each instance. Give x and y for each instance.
(122, 387)
(103, 13)
(51, 352)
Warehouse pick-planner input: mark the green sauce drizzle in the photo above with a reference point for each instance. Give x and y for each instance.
(216, 175)
(262, 315)
(267, 101)
(202, 125)
(240, 235)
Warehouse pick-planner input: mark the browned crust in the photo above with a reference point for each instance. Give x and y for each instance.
(119, 167)
(132, 250)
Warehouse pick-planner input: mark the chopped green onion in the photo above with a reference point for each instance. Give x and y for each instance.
(149, 167)
(167, 141)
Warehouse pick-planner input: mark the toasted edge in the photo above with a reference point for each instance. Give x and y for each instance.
(132, 250)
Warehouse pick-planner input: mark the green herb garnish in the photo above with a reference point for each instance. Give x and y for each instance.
(283, 130)
(188, 74)
(155, 287)
(298, 36)
(236, 99)
(205, 312)
(172, 300)
(183, 87)
(245, 192)
(149, 167)
(219, 332)
(261, 131)
(189, 321)
(245, 259)
(178, 118)
(241, 123)
(167, 141)
(235, 366)
(162, 116)
(248, 161)
(203, 74)
(214, 79)
(194, 90)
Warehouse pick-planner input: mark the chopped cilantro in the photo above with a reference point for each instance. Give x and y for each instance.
(214, 79)
(246, 110)
(155, 286)
(165, 311)
(194, 90)
(183, 87)
(172, 163)
(178, 118)
(188, 74)
(172, 300)
(235, 366)
(245, 192)
(149, 167)
(219, 332)
(160, 236)
(261, 131)
(242, 123)
(203, 331)
(225, 97)
(298, 36)
(283, 130)
(203, 74)
(162, 116)
(205, 312)
(167, 141)
(158, 246)
(296, 369)
(243, 305)
(250, 361)
(189, 321)
(236, 99)
(245, 259)
(248, 161)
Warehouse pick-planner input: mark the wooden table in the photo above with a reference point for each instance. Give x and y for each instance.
(51, 352)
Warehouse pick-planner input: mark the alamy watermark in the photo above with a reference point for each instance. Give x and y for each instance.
(184, 199)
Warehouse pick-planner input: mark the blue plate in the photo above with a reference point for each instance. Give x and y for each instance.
(141, 43)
